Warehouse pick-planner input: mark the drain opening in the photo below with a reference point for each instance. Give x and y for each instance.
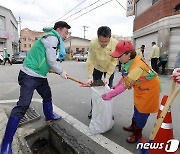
(30, 115)
(47, 141)
(42, 146)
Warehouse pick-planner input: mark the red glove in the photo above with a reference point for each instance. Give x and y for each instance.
(176, 75)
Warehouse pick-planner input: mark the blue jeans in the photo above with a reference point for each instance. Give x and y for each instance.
(27, 86)
(140, 118)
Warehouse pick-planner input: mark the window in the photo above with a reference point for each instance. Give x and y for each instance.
(29, 45)
(83, 49)
(29, 39)
(154, 1)
(2, 22)
(177, 7)
(25, 45)
(1, 46)
(24, 38)
(77, 50)
(68, 50)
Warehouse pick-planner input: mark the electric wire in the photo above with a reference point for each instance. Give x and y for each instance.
(90, 10)
(82, 9)
(67, 12)
(72, 9)
(122, 6)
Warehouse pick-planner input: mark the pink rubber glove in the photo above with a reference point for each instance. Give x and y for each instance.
(113, 87)
(176, 75)
(118, 90)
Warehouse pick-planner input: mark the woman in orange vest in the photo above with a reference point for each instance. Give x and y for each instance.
(140, 76)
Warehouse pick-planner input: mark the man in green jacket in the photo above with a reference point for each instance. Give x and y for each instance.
(39, 61)
(6, 56)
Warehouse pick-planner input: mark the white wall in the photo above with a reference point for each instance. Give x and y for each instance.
(76, 41)
(174, 46)
(147, 41)
(142, 6)
(11, 27)
(80, 42)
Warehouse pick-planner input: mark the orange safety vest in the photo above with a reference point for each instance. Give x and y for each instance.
(146, 93)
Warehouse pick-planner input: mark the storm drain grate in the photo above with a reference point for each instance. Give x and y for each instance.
(30, 115)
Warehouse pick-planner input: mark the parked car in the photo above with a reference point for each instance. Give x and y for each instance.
(76, 56)
(80, 57)
(1, 59)
(19, 57)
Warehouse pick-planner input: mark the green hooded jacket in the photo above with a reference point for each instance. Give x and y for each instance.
(36, 58)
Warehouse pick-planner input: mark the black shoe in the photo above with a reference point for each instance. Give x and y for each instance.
(90, 114)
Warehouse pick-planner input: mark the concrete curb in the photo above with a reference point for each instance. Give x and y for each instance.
(102, 141)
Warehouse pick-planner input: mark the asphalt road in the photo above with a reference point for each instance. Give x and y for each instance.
(75, 100)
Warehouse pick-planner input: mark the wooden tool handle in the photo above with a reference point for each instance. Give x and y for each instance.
(76, 80)
(160, 119)
(71, 78)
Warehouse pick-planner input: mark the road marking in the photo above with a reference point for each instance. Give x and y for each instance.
(99, 139)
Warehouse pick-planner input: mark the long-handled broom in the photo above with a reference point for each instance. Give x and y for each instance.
(173, 93)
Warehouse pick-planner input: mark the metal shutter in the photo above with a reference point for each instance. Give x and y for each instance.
(146, 40)
(174, 46)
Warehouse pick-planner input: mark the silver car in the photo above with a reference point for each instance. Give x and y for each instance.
(18, 58)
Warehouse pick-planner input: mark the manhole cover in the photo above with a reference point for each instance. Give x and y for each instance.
(30, 115)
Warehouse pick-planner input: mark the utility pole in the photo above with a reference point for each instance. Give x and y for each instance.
(19, 22)
(84, 27)
(70, 54)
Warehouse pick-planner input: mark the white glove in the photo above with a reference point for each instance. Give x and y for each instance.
(106, 81)
(64, 75)
(176, 72)
(176, 75)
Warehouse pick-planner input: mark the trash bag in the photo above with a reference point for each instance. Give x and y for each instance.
(102, 111)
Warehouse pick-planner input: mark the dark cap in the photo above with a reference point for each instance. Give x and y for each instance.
(143, 46)
(61, 24)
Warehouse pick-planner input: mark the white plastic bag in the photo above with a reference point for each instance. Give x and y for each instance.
(102, 111)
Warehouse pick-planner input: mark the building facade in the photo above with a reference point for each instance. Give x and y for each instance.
(28, 38)
(76, 45)
(158, 21)
(8, 31)
(120, 38)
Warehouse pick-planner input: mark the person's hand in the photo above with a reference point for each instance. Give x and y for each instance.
(88, 84)
(52, 71)
(106, 97)
(176, 75)
(64, 75)
(90, 81)
(106, 81)
(113, 87)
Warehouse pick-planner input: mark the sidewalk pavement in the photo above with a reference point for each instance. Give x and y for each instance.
(97, 144)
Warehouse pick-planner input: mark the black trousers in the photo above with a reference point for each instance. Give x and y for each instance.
(154, 64)
(163, 65)
(7, 59)
(97, 75)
